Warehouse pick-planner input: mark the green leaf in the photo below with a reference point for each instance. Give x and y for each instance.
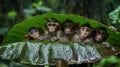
(35, 5)
(17, 33)
(39, 53)
(12, 14)
(29, 11)
(115, 15)
(40, 3)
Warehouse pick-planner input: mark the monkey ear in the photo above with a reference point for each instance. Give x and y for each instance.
(40, 30)
(76, 31)
(47, 23)
(57, 23)
(91, 29)
(26, 37)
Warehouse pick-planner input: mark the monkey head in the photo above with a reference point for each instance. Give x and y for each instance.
(100, 34)
(33, 33)
(52, 25)
(68, 27)
(84, 31)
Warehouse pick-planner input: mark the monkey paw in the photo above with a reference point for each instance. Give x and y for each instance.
(41, 38)
(113, 28)
(87, 41)
(63, 39)
(107, 44)
(54, 38)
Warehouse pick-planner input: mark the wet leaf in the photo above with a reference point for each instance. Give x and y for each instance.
(36, 53)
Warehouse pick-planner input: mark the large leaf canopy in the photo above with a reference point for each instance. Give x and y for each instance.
(47, 52)
(17, 33)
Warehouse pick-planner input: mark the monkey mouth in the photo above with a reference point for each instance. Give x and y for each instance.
(36, 36)
(51, 31)
(67, 32)
(98, 40)
(82, 37)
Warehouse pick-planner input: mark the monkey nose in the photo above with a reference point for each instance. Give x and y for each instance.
(99, 36)
(52, 30)
(83, 34)
(35, 36)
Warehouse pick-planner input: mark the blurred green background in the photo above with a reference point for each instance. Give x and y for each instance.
(15, 11)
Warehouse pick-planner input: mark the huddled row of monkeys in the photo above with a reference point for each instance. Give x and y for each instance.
(69, 31)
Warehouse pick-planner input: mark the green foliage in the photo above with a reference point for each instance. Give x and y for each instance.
(3, 65)
(12, 14)
(17, 33)
(29, 12)
(12, 64)
(44, 9)
(115, 15)
(112, 61)
(36, 7)
(3, 30)
(39, 3)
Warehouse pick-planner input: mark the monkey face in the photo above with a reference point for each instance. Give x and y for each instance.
(34, 33)
(68, 28)
(100, 34)
(84, 32)
(52, 26)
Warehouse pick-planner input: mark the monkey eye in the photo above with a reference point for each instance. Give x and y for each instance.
(101, 32)
(87, 29)
(35, 30)
(53, 24)
(82, 28)
(31, 32)
(67, 25)
(49, 24)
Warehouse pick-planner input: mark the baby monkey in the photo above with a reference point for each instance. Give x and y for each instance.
(100, 35)
(52, 28)
(83, 34)
(34, 34)
(67, 31)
